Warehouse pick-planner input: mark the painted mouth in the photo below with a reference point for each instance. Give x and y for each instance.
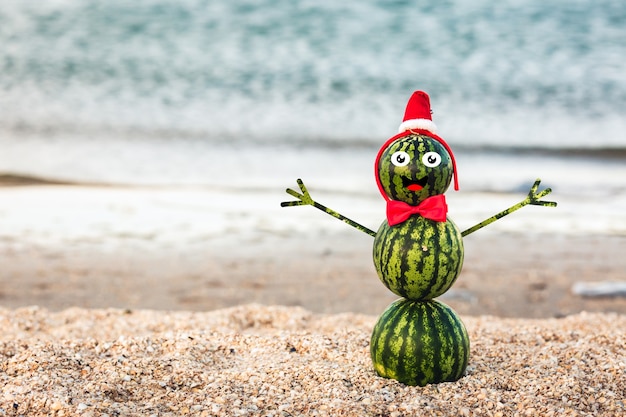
(414, 185)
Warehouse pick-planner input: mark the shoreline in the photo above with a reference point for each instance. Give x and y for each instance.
(506, 275)
(199, 250)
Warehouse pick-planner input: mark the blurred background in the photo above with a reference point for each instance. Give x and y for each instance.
(180, 123)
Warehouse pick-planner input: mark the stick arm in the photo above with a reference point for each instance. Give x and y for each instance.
(533, 198)
(305, 199)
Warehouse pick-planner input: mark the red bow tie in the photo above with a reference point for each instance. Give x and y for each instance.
(433, 208)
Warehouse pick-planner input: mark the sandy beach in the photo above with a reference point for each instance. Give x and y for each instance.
(287, 361)
(503, 275)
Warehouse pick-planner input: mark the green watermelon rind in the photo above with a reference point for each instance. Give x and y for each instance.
(418, 259)
(420, 343)
(390, 176)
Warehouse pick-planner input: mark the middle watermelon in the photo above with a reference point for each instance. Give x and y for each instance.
(418, 259)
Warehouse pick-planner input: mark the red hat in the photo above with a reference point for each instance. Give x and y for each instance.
(418, 114)
(418, 119)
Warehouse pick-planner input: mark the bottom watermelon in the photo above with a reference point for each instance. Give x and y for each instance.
(419, 343)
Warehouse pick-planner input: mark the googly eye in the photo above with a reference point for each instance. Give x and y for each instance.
(431, 159)
(400, 159)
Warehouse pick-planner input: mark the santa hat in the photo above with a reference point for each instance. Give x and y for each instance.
(418, 119)
(418, 114)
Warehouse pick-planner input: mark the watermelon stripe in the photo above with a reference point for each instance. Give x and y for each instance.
(410, 356)
(431, 261)
(449, 349)
(461, 350)
(445, 239)
(388, 336)
(403, 322)
(396, 247)
(386, 332)
(429, 359)
(396, 341)
(454, 349)
(464, 350)
(436, 323)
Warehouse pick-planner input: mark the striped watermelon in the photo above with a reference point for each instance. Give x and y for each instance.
(417, 175)
(419, 343)
(419, 259)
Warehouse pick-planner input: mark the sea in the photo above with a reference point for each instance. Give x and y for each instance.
(241, 97)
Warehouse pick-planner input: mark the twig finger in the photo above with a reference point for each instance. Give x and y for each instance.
(291, 203)
(293, 193)
(302, 187)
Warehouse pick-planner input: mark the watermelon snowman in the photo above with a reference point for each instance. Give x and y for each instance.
(418, 252)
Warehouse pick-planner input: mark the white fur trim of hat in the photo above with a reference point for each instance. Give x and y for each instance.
(424, 124)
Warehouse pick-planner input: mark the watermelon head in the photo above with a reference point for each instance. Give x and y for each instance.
(413, 168)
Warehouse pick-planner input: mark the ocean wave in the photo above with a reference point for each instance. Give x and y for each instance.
(315, 69)
(165, 91)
